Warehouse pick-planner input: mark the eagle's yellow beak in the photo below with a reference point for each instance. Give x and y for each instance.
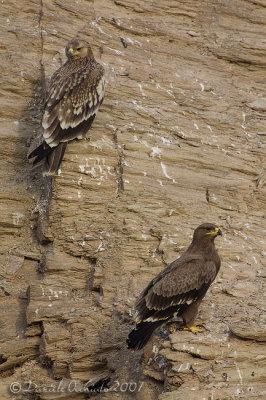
(216, 232)
(71, 52)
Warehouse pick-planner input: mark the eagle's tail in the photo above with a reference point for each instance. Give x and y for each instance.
(52, 155)
(141, 334)
(40, 152)
(54, 159)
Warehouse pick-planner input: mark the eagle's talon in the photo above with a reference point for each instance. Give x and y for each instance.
(195, 328)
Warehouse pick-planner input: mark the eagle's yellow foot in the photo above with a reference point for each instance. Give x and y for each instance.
(195, 328)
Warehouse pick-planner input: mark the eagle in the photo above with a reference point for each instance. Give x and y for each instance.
(178, 290)
(74, 96)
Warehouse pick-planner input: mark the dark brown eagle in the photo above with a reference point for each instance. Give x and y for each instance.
(179, 289)
(75, 94)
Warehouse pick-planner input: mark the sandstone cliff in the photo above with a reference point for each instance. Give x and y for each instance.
(178, 141)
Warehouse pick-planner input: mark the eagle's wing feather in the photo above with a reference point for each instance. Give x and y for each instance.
(62, 82)
(173, 292)
(69, 105)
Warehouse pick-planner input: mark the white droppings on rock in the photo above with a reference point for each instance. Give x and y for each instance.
(141, 90)
(100, 247)
(165, 141)
(99, 29)
(156, 152)
(165, 172)
(17, 217)
(239, 374)
(118, 52)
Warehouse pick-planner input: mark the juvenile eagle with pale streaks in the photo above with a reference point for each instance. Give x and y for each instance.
(178, 290)
(75, 94)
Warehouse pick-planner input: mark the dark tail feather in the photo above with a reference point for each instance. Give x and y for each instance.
(52, 155)
(54, 159)
(40, 152)
(141, 334)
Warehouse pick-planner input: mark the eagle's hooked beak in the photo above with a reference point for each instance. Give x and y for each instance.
(71, 52)
(216, 232)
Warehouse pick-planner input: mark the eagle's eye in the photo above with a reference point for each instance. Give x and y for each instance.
(79, 48)
(208, 229)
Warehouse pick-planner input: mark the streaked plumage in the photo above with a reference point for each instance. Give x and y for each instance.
(75, 94)
(178, 290)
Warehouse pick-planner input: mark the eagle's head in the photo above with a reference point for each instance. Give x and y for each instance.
(77, 48)
(206, 232)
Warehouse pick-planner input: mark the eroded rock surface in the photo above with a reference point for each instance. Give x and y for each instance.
(178, 141)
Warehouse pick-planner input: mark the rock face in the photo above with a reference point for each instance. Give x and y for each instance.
(178, 141)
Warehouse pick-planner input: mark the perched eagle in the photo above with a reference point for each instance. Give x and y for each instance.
(75, 94)
(179, 289)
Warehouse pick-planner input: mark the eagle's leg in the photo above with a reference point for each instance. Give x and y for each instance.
(189, 317)
(174, 324)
